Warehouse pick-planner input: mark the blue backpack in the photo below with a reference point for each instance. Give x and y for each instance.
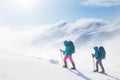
(102, 52)
(72, 47)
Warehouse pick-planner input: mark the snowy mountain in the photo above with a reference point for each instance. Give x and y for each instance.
(26, 53)
(80, 31)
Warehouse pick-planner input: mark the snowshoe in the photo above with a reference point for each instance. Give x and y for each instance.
(101, 72)
(73, 68)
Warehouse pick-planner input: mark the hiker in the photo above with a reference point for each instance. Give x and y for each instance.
(99, 55)
(69, 50)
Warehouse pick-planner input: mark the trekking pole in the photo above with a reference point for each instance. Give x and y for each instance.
(61, 57)
(93, 61)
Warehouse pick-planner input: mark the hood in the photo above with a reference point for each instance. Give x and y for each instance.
(96, 48)
(66, 43)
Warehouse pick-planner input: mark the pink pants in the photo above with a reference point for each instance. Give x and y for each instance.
(70, 58)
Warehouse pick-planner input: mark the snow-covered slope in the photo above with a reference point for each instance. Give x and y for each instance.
(81, 32)
(19, 67)
(45, 42)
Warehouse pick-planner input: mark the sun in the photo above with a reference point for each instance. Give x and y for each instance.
(24, 5)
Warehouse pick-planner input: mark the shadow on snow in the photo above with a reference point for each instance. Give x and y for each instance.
(79, 74)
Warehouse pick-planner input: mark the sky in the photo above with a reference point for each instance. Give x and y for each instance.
(41, 12)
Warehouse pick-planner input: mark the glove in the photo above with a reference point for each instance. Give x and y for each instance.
(93, 55)
(61, 50)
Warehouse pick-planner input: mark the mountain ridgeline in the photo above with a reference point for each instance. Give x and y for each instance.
(81, 32)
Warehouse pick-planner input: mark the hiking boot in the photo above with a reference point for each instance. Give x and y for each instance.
(96, 70)
(65, 64)
(73, 64)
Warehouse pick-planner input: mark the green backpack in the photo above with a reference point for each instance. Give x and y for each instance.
(72, 47)
(102, 52)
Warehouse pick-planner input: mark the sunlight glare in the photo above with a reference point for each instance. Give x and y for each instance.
(23, 4)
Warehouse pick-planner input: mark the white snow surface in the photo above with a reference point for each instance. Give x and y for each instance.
(32, 53)
(20, 67)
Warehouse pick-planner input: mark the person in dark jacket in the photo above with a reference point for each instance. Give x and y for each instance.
(98, 60)
(67, 54)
